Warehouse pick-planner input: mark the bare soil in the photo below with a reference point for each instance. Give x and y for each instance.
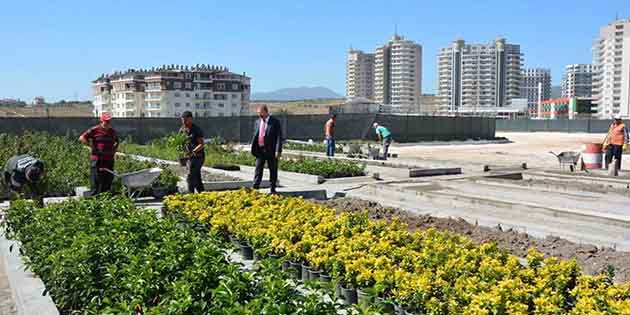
(591, 258)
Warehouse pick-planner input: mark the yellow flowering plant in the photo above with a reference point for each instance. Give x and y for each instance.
(428, 272)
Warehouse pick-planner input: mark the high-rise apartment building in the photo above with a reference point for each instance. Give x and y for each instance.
(168, 91)
(611, 80)
(398, 72)
(535, 87)
(359, 75)
(577, 80)
(479, 75)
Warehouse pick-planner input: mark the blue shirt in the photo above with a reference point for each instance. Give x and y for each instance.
(384, 132)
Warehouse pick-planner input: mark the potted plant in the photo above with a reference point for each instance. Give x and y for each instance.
(178, 142)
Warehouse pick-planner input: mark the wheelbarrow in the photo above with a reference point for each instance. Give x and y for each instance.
(567, 158)
(135, 182)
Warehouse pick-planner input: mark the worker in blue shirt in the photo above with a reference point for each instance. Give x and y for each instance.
(383, 134)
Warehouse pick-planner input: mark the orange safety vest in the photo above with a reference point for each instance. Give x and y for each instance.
(616, 134)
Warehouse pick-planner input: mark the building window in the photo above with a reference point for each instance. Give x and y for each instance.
(221, 86)
(234, 86)
(177, 104)
(177, 94)
(221, 105)
(187, 104)
(235, 96)
(187, 94)
(188, 85)
(177, 85)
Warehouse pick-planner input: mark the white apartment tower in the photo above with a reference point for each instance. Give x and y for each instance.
(577, 80)
(535, 86)
(167, 91)
(398, 72)
(359, 75)
(479, 75)
(611, 79)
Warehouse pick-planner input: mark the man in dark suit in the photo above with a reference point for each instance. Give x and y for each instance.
(266, 146)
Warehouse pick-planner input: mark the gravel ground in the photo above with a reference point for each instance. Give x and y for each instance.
(591, 258)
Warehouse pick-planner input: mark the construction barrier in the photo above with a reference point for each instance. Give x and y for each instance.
(553, 125)
(593, 156)
(405, 128)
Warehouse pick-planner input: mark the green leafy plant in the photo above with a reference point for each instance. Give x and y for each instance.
(104, 256)
(224, 156)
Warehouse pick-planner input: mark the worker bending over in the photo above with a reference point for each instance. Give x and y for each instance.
(22, 175)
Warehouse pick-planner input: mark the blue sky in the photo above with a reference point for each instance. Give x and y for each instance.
(55, 48)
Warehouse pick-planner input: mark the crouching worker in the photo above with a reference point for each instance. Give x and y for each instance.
(23, 175)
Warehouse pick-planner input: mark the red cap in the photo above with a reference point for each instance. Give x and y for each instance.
(105, 117)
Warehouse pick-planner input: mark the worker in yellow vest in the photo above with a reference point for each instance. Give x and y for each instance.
(615, 139)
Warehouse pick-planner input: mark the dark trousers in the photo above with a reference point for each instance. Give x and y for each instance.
(614, 151)
(101, 181)
(272, 162)
(386, 142)
(194, 180)
(330, 147)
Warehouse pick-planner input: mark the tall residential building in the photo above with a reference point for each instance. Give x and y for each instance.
(536, 86)
(398, 72)
(475, 76)
(168, 91)
(359, 75)
(611, 81)
(577, 81)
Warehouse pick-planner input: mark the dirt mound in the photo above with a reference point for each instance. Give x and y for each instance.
(591, 258)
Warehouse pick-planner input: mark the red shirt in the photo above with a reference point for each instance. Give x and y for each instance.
(104, 143)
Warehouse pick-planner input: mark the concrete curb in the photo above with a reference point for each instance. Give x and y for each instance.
(27, 287)
(424, 172)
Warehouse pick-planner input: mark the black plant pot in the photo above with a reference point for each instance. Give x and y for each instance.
(286, 265)
(305, 272)
(247, 252)
(388, 307)
(161, 192)
(349, 295)
(324, 277)
(338, 292)
(313, 275)
(295, 270)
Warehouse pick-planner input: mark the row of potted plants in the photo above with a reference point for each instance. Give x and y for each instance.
(424, 272)
(104, 256)
(219, 155)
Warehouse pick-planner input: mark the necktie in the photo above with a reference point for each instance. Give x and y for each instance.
(261, 133)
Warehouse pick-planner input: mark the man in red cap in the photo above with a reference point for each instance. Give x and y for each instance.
(103, 141)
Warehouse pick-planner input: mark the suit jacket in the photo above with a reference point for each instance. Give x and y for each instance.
(273, 139)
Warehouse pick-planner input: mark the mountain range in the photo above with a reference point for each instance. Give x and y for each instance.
(297, 93)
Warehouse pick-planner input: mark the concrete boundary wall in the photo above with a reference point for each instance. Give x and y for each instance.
(558, 125)
(300, 127)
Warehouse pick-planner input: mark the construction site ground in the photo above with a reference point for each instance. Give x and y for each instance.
(582, 216)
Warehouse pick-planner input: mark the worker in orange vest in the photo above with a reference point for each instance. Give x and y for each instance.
(615, 139)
